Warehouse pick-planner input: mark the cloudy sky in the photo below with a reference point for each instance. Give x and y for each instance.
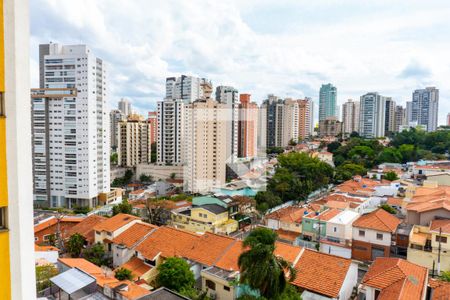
(288, 48)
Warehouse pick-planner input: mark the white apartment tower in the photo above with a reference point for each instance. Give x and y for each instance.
(350, 116)
(124, 106)
(170, 131)
(372, 115)
(70, 126)
(187, 88)
(205, 146)
(425, 104)
(229, 96)
(134, 141)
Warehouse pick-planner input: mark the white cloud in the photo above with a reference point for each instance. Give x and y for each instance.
(284, 47)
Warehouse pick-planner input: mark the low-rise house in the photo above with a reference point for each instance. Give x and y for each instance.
(440, 290)
(86, 228)
(339, 233)
(157, 211)
(440, 179)
(394, 278)
(372, 235)
(427, 203)
(205, 218)
(125, 290)
(314, 224)
(424, 242)
(400, 240)
(324, 276)
(124, 245)
(111, 197)
(287, 218)
(46, 230)
(138, 195)
(107, 230)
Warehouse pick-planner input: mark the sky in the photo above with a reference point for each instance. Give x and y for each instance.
(286, 48)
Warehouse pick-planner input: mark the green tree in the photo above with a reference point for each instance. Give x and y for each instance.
(408, 152)
(274, 150)
(260, 268)
(445, 276)
(391, 176)
(113, 158)
(389, 155)
(388, 208)
(145, 178)
(333, 146)
(266, 199)
(123, 274)
(96, 254)
(43, 275)
(75, 244)
(347, 171)
(122, 208)
(175, 274)
(128, 176)
(81, 209)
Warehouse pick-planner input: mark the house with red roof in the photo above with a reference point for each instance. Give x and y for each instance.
(48, 228)
(394, 278)
(372, 235)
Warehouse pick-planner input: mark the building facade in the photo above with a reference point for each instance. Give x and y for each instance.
(230, 97)
(372, 116)
(305, 118)
(115, 116)
(17, 264)
(425, 104)
(400, 117)
(134, 143)
(331, 126)
(124, 106)
(389, 122)
(205, 148)
(273, 108)
(350, 116)
(153, 122)
(248, 127)
(71, 143)
(186, 88)
(327, 101)
(290, 124)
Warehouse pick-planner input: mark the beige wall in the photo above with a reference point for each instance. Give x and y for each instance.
(219, 292)
(158, 171)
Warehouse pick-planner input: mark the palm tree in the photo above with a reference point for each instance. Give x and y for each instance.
(260, 268)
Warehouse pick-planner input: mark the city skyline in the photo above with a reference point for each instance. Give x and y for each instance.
(398, 62)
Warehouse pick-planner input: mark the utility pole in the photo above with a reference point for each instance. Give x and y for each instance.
(439, 253)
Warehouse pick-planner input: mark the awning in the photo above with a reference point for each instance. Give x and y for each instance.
(72, 280)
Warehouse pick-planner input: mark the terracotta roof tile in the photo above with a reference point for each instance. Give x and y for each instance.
(394, 201)
(321, 273)
(396, 278)
(52, 221)
(38, 248)
(136, 266)
(379, 220)
(134, 234)
(129, 290)
(290, 214)
(441, 289)
(89, 268)
(443, 224)
(287, 235)
(116, 222)
(86, 227)
(208, 248)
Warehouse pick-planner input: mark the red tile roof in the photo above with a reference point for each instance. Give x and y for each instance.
(441, 289)
(116, 222)
(101, 277)
(290, 214)
(129, 290)
(396, 278)
(321, 273)
(444, 225)
(134, 234)
(136, 266)
(86, 227)
(379, 220)
(53, 220)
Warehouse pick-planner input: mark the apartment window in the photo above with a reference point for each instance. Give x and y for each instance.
(379, 236)
(3, 224)
(442, 239)
(210, 285)
(226, 288)
(362, 233)
(334, 229)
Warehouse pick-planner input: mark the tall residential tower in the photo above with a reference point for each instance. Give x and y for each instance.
(327, 101)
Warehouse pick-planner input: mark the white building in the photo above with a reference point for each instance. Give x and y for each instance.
(350, 116)
(124, 106)
(372, 116)
(290, 121)
(71, 146)
(187, 88)
(230, 97)
(425, 104)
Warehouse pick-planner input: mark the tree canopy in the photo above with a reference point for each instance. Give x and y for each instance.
(75, 244)
(174, 273)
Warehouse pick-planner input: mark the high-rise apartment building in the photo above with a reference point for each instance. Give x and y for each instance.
(305, 118)
(205, 146)
(290, 124)
(115, 116)
(170, 131)
(230, 97)
(372, 118)
(187, 88)
(262, 130)
(153, 121)
(330, 127)
(71, 145)
(448, 119)
(425, 105)
(134, 144)
(327, 101)
(408, 112)
(17, 262)
(389, 122)
(273, 107)
(400, 117)
(248, 127)
(124, 106)
(350, 116)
